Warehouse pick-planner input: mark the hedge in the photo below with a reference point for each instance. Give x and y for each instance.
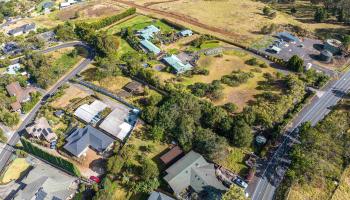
(54, 160)
(112, 19)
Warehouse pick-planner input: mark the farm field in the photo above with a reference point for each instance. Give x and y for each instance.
(139, 22)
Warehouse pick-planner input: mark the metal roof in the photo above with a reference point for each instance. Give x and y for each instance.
(82, 138)
(147, 33)
(88, 112)
(176, 63)
(150, 46)
(288, 36)
(186, 32)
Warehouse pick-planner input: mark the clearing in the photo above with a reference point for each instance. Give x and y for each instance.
(15, 170)
(72, 92)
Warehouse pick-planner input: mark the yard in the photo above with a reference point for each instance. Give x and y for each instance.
(139, 22)
(235, 161)
(219, 66)
(70, 93)
(15, 170)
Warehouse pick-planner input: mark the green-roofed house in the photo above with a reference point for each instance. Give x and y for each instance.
(150, 47)
(177, 64)
(193, 171)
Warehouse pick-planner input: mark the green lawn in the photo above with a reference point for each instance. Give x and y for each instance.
(235, 161)
(140, 22)
(124, 47)
(210, 44)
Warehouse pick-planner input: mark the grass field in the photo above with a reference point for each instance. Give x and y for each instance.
(343, 190)
(139, 22)
(220, 66)
(15, 169)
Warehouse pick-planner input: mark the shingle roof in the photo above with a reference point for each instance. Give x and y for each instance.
(150, 46)
(88, 136)
(176, 63)
(46, 182)
(41, 127)
(192, 170)
(159, 196)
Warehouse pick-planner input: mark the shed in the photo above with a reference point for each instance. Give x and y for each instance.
(172, 155)
(287, 37)
(134, 87)
(185, 33)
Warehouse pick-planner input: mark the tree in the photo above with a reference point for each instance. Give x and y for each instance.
(295, 63)
(149, 169)
(267, 10)
(65, 31)
(157, 133)
(241, 134)
(320, 14)
(230, 107)
(4, 62)
(293, 10)
(234, 193)
(108, 190)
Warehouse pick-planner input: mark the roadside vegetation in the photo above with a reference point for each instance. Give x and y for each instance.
(319, 162)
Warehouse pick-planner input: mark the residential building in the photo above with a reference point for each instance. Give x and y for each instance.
(172, 155)
(81, 139)
(46, 182)
(41, 128)
(59, 113)
(118, 123)
(22, 95)
(134, 87)
(159, 196)
(90, 113)
(13, 69)
(177, 65)
(148, 32)
(150, 47)
(11, 48)
(193, 171)
(185, 33)
(287, 37)
(22, 29)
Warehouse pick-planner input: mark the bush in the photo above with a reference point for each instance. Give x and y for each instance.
(237, 78)
(252, 62)
(110, 20)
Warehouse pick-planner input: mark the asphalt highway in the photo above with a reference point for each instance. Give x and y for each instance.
(6, 152)
(270, 177)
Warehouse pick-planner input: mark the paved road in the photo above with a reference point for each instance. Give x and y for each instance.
(266, 182)
(54, 48)
(7, 151)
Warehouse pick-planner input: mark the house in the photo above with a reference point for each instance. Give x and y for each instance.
(11, 48)
(59, 113)
(22, 29)
(90, 113)
(118, 123)
(172, 155)
(177, 65)
(148, 32)
(46, 182)
(134, 87)
(193, 171)
(64, 5)
(287, 37)
(41, 128)
(185, 33)
(48, 5)
(13, 69)
(150, 47)
(159, 196)
(48, 36)
(81, 139)
(22, 95)
(275, 49)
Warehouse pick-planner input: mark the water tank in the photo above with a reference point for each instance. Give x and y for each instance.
(333, 46)
(326, 56)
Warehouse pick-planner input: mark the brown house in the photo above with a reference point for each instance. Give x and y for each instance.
(22, 95)
(172, 155)
(134, 87)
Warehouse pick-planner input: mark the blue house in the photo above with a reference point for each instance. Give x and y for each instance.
(177, 64)
(150, 47)
(287, 37)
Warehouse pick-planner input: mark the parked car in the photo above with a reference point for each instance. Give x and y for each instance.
(241, 183)
(95, 179)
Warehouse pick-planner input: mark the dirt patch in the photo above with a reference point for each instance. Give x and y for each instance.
(69, 94)
(91, 9)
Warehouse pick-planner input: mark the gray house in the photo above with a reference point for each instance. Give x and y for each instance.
(159, 196)
(195, 172)
(46, 182)
(88, 137)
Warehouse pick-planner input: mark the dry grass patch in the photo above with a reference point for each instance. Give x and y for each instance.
(343, 190)
(15, 169)
(70, 93)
